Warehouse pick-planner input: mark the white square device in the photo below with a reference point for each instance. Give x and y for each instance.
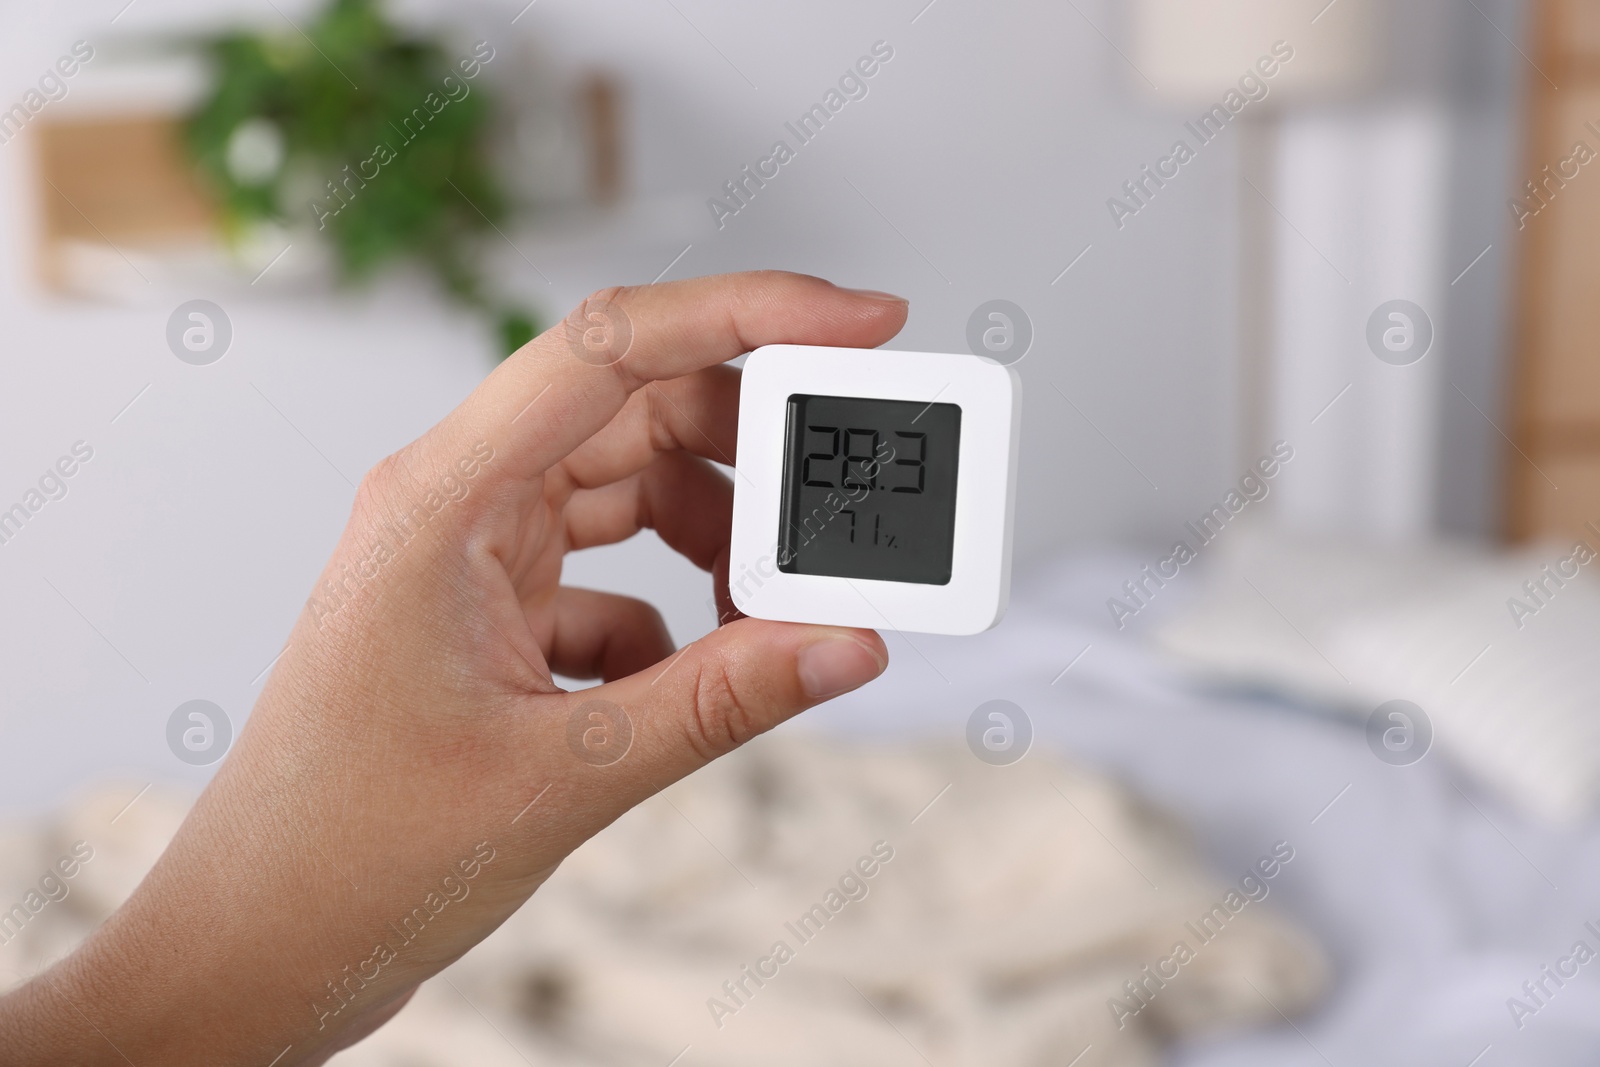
(875, 488)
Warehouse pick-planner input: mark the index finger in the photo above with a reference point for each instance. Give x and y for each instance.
(565, 385)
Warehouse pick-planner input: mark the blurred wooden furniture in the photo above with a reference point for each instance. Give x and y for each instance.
(601, 110)
(114, 181)
(124, 181)
(1555, 482)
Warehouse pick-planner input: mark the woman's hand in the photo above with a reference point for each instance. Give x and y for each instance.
(411, 774)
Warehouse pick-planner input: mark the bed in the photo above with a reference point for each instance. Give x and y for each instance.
(1416, 906)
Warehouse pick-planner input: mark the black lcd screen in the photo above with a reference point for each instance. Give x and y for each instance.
(869, 488)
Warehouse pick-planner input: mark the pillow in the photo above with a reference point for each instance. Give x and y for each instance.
(1500, 651)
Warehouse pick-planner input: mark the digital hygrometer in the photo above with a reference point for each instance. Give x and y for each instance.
(875, 488)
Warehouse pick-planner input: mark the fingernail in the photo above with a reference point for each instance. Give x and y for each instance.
(837, 665)
(877, 294)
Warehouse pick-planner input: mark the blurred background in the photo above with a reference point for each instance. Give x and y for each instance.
(1303, 287)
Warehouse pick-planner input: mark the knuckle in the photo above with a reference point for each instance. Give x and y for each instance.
(599, 330)
(608, 297)
(607, 306)
(721, 719)
(407, 491)
(767, 277)
(658, 422)
(647, 614)
(610, 294)
(380, 483)
(641, 618)
(768, 285)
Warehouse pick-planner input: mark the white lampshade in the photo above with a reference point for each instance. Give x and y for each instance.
(1195, 50)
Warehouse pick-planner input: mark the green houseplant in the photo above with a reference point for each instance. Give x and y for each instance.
(375, 135)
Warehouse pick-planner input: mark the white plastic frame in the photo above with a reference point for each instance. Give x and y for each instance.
(990, 397)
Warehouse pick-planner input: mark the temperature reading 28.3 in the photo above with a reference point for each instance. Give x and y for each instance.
(859, 463)
(869, 488)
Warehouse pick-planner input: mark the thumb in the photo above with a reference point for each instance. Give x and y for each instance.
(738, 681)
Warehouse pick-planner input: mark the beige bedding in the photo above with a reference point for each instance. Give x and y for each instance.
(930, 908)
